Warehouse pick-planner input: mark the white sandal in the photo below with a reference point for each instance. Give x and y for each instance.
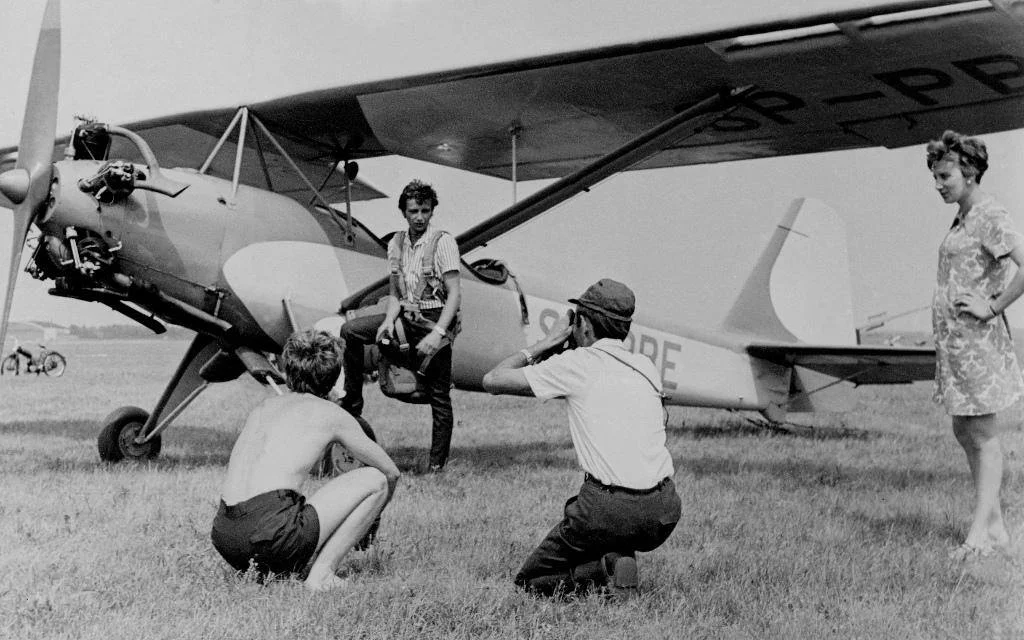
(969, 552)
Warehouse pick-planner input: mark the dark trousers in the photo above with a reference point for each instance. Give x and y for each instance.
(360, 332)
(597, 521)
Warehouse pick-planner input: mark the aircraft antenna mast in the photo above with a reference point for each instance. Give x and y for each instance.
(348, 201)
(514, 130)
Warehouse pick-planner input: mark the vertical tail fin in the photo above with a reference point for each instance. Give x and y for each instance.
(799, 289)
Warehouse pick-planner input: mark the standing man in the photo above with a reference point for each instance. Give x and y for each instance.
(425, 291)
(264, 522)
(628, 501)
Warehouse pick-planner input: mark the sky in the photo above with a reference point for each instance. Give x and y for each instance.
(684, 238)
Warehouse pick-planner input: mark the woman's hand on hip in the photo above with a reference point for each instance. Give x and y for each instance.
(974, 304)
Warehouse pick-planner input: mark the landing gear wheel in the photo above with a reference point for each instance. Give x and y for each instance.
(337, 460)
(9, 365)
(54, 365)
(117, 440)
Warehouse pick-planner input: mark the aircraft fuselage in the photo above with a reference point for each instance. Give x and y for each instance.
(255, 261)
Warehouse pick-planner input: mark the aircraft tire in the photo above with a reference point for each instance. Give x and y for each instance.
(117, 440)
(9, 365)
(54, 364)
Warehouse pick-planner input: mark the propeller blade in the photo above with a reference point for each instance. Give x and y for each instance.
(27, 186)
(39, 127)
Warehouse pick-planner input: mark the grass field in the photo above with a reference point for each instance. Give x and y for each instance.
(839, 531)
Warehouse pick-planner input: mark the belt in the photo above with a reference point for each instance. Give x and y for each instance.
(610, 488)
(260, 501)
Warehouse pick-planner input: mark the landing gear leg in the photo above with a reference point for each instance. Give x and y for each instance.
(118, 439)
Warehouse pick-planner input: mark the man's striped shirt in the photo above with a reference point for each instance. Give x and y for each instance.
(446, 259)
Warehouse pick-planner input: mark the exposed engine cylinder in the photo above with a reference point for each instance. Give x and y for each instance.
(80, 253)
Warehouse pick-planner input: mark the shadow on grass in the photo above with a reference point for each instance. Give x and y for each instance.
(484, 458)
(203, 447)
(741, 427)
(816, 474)
(909, 527)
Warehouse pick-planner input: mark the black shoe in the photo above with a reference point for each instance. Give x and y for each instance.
(623, 575)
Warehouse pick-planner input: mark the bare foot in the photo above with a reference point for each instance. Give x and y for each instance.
(325, 583)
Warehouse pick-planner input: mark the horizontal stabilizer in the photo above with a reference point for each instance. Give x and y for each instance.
(858, 364)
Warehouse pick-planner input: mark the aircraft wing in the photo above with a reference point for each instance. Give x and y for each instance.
(860, 364)
(873, 73)
(884, 74)
(887, 74)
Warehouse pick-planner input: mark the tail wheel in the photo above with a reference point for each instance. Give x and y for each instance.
(9, 365)
(117, 440)
(54, 364)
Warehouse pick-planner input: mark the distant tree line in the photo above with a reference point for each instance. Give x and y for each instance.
(127, 331)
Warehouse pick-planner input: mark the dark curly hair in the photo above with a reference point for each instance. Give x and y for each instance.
(418, 191)
(312, 362)
(971, 153)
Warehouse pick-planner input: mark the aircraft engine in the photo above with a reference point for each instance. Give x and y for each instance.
(80, 254)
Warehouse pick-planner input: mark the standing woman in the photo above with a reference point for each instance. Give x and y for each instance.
(976, 369)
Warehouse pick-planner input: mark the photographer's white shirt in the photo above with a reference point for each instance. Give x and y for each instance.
(615, 415)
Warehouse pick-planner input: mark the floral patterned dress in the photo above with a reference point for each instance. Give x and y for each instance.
(976, 369)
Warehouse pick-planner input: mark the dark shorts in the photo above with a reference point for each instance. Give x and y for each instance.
(274, 532)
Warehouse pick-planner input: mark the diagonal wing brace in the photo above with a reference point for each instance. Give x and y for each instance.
(687, 122)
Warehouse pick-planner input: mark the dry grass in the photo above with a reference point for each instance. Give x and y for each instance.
(834, 531)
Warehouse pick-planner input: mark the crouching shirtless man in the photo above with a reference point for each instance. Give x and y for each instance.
(264, 522)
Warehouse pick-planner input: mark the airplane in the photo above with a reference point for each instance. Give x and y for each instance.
(239, 243)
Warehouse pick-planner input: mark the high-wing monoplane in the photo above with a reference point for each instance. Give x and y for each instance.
(223, 221)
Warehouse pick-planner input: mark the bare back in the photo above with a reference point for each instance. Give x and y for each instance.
(282, 439)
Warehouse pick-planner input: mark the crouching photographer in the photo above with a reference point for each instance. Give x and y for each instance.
(628, 501)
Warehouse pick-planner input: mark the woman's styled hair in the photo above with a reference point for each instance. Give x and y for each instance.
(312, 362)
(418, 191)
(971, 153)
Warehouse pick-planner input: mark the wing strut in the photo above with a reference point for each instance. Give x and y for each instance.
(220, 143)
(687, 121)
(347, 227)
(244, 119)
(681, 125)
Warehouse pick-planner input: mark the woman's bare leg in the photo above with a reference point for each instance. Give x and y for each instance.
(979, 437)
